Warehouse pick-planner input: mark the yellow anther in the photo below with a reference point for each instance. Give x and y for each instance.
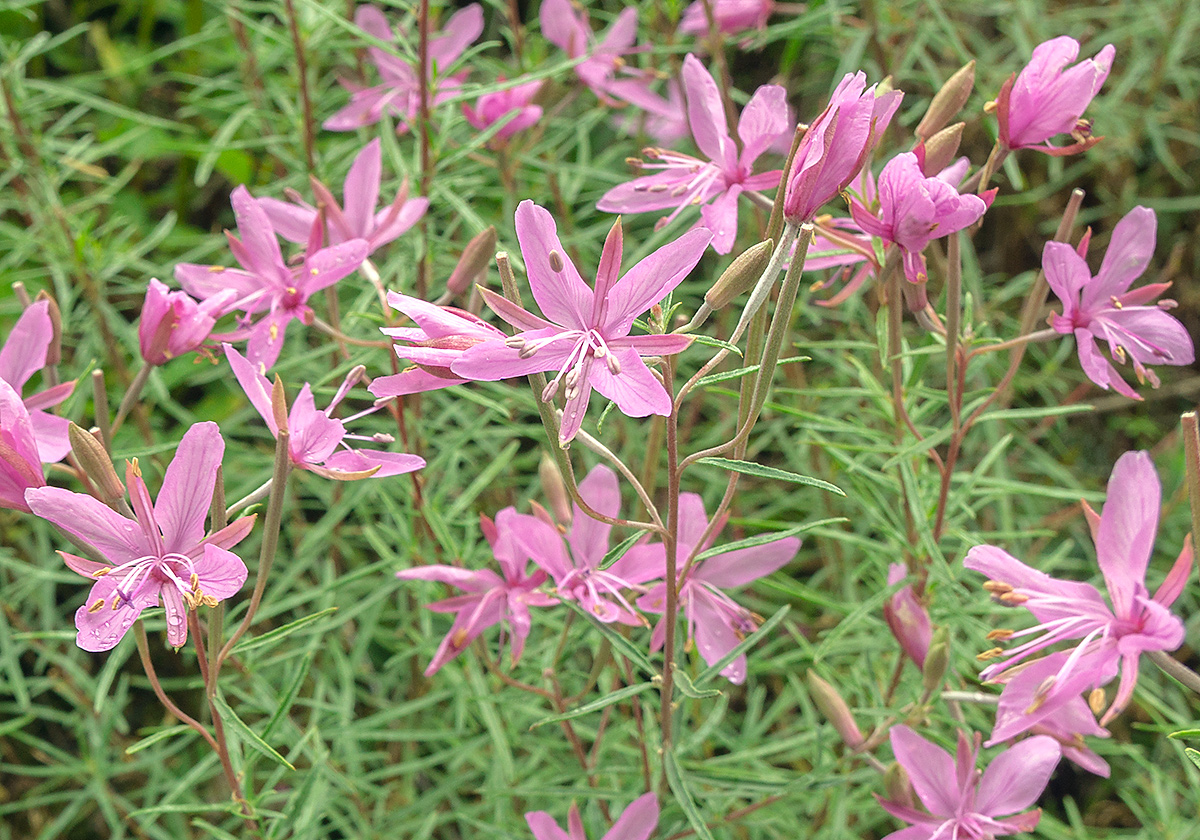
(96, 607)
(1000, 633)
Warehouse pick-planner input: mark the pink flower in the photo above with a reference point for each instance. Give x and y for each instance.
(359, 220)
(836, 145)
(907, 618)
(593, 348)
(914, 210)
(1110, 638)
(515, 101)
(637, 822)
(441, 336)
(716, 183)
(163, 554)
(570, 31)
(716, 622)
(173, 323)
(489, 598)
(267, 284)
(1046, 99)
(1103, 306)
(20, 464)
(24, 354)
(577, 573)
(961, 803)
(400, 93)
(315, 435)
(731, 16)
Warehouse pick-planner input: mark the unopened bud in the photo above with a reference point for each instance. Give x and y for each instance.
(555, 490)
(937, 662)
(279, 408)
(885, 86)
(475, 259)
(941, 148)
(835, 710)
(898, 787)
(741, 275)
(947, 102)
(96, 463)
(54, 351)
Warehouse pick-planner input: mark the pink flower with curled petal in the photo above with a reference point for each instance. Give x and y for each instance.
(489, 598)
(294, 220)
(637, 822)
(836, 146)
(514, 103)
(570, 31)
(162, 554)
(714, 184)
(962, 803)
(266, 285)
(1110, 638)
(715, 621)
(575, 567)
(20, 464)
(914, 210)
(441, 336)
(731, 16)
(315, 436)
(588, 341)
(1047, 99)
(24, 354)
(1103, 307)
(174, 324)
(400, 93)
(907, 617)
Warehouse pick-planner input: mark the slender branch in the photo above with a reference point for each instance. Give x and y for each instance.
(1191, 456)
(602, 450)
(671, 609)
(1175, 669)
(131, 395)
(302, 72)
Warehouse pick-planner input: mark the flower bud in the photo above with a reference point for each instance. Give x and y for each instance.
(555, 490)
(835, 710)
(474, 260)
(941, 148)
(54, 351)
(898, 787)
(907, 618)
(741, 275)
(96, 464)
(937, 662)
(947, 102)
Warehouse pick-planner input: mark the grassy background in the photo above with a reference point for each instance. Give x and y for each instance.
(126, 126)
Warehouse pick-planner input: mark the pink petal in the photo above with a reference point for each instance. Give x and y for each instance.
(715, 637)
(24, 351)
(103, 629)
(1016, 778)
(743, 565)
(257, 235)
(635, 390)
(1128, 524)
(1128, 255)
(388, 463)
(291, 221)
(1172, 587)
(541, 823)
(460, 31)
(1067, 274)
(116, 538)
(706, 113)
(360, 192)
(764, 120)
(562, 295)
(930, 769)
(1097, 368)
(638, 820)
(721, 217)
(589, 537)
(187, 487)
(652, 279)
(256, 386)
(1067, 598)
(330, 265)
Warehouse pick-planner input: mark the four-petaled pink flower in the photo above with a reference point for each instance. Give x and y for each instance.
(907, 618)
(441, 335)
(1103, 307)
(314, 436)
(961, 803)
(359, 219)
(162, 554)
(685, 181)
(1046, 100)
(400, 93)
(516, 101)
(267, 284)
(173, 323)
(570, 31)
(1109, 638)
(715, 621)
(637, 822)
(731, 16)
(836, 145)
(489, 598)
(588, 341)
(24, 354)
(914, 210)
(20, 464)
(577, 574)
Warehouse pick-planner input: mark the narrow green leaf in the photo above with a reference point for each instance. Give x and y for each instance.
(280, 633)
(248, 735)
(1180, 735)
(747, 643)
(625, 647)
(688, 688)
(763, 539)
(618, 551)
(762, 471)
(587, 708)
(683, 795)
(1194, 755)
(289, 696)
(154, 738)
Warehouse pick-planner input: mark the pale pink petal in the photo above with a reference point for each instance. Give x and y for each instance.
(562, 295)
(493, 360)
(706, 113)
(360, 192)
(1128, 256)
(721, 217)
(291, 221)
(257, 235)
(256, 386)
(652, 279)
(541, 823)
(205, 281)
(1128, 524)
(589, 537)
(743, 565)
(1016, 778)
(330, 265)
(635, 389)
(50, 435)
(187, 487)
(103, 629)
(764, 120)
(1181, 571)
(460, 31)
(1067, 598)
(1097, 368)
(930, 769)
(176, 615)
(116, 538)
(1066, 273)
(638, 821)
(24, 351)
(715, 637)
(389, 463)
